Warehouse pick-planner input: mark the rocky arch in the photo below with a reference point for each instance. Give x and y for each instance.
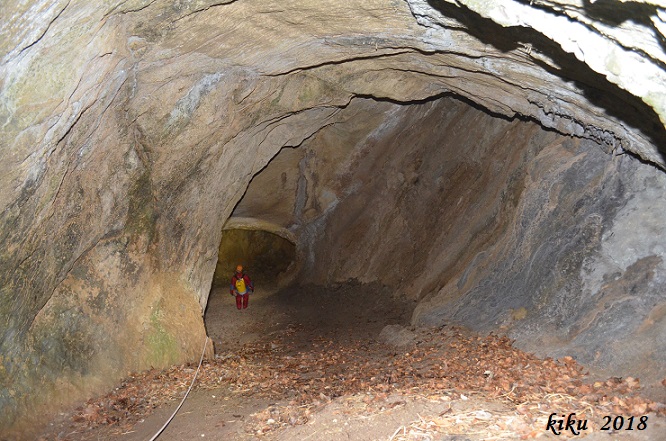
(131, 130)
(265, 249)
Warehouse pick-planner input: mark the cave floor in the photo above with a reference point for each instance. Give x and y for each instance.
(308, 363)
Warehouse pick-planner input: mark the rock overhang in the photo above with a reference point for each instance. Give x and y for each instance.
(173, 103)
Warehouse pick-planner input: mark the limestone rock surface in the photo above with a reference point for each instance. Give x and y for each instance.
(130, 131)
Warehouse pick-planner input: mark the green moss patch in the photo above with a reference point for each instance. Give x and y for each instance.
(162, 348)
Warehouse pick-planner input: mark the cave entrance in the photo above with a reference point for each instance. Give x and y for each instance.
(267, 254)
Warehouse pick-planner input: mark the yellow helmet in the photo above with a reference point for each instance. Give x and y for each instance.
(239, 269)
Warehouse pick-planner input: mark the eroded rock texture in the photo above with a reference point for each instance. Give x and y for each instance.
(131, 129)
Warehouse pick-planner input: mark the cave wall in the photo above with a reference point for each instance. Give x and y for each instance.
(422, 193)
(131, 129)
(581, 272)
(502, 226)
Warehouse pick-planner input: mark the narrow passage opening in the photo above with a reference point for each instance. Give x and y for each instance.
(264, 255)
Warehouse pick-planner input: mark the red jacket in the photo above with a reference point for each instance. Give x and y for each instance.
(248, 283)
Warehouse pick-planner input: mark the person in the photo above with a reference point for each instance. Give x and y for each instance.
(241, 287)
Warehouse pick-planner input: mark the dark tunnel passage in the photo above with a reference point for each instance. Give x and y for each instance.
(449, 215)
(417, 225)
(263, 254)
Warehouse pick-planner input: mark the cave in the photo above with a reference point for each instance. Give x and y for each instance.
(270, 256)
(497, 166)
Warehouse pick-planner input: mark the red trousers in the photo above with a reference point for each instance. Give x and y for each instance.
(241, 300)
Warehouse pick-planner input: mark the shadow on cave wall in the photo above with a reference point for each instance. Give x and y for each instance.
(615, 101)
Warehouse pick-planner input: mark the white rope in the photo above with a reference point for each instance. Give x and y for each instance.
(159, 432)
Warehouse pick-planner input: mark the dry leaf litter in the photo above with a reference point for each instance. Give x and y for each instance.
(446, 365)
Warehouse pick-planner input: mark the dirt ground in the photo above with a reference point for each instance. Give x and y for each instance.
(308, 363)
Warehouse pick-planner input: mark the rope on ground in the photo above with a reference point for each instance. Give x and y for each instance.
(159, 432)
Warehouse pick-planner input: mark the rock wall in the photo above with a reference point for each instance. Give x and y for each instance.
(499, 225)
(131, 129)
(572, 276)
